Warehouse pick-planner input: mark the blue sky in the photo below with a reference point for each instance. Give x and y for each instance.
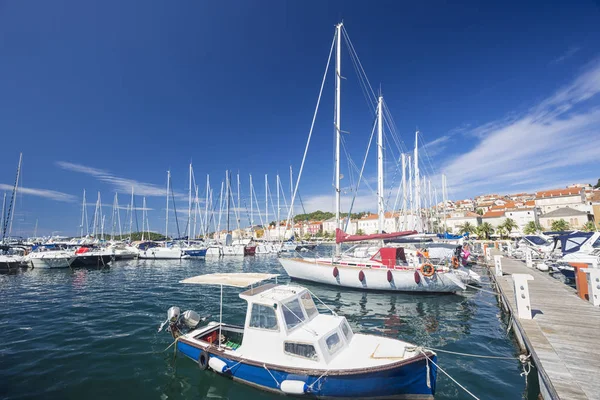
(103, 95)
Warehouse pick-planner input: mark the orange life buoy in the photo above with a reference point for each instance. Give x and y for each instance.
(455, 262)
(427, 269)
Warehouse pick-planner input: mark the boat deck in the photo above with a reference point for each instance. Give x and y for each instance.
(563, 337)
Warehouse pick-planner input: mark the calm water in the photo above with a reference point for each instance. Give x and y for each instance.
(92, 333)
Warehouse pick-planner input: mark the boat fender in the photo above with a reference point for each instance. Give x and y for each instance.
(361, 276)
(390, 277)
(417, 277)
(203, 360)
(336, 272)
(290, 386)
(217, 365)
(427, 269)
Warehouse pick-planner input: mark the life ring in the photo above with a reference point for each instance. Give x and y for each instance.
(203, 360)
(336, 272)
(427, 269)
(455, 262)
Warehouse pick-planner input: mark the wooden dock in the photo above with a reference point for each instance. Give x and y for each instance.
(563, 337)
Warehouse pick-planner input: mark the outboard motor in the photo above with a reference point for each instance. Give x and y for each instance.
(191, 319)
(173, 314)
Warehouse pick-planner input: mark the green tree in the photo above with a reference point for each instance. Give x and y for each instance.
(485, 230)
(501, 230)
(589, 226)
(360, 232)
(467, 227)
(560, 225)
(479, 211)
(531, 228)
(509, 224)
(597, 185)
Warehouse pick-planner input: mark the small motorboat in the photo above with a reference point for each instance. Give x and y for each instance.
(287, 346)
(11, 257)
(49, 259)
(87, 256)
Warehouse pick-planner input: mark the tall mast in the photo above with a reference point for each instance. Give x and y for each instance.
(82, 212)
(251, 204)
(338, 126)
(436, 211)
(291, 197)
(131, 215)
(404, 194)
(227, 193)
(3, 209)
(35, 229)
(206, 205)
(417, 183)
(196, 212)
(167, 212)
(278, 208)
(143, 217)
(112, 218)
(410, 192)
(266, 204)
(189, 230)
(429, 205)
(239, 204)
(380, 210)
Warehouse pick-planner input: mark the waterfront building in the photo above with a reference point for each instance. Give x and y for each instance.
(575, 218)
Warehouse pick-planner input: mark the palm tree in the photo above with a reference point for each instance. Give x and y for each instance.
(589, 226)
(501, 230)
(560, 225)
(531, 228)
(467, 227)
(485, 230)
(509, 224)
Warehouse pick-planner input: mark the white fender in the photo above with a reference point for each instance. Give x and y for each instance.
(293, 387)
(217, 365)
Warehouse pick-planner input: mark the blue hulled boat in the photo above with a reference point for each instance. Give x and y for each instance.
(287, 346)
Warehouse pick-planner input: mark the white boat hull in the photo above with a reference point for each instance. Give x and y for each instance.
(404, 280)
(51, 262)
(162, 253)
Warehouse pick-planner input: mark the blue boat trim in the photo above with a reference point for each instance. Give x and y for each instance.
(403, 379)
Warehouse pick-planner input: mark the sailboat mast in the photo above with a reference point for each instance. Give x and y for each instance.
(338, 127)
(380, 209)
(82, 212)
(410, 191)
(404, 194)
(206, 205)
(251, 204)
(35, 229)
(444, 197)
(238, 205)
(291, 197)
(266, 204)
(430, 204)
(143, 217)
(189, 230)
(131, 215)
(278, 208)
(227, 193)
(417, 183)
(167, 212)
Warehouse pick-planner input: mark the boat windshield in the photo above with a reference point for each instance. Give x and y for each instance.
(309, 305)
(293, 314)
(537, 240)
(596, 244)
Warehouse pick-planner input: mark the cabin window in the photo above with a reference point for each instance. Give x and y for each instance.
(347, 331)
(292, 312)
(333, 343)
(596, 244)
(263, 317)
(301, 350)
(309, 305)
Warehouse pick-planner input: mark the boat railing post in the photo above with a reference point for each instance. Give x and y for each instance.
(498, 264)
(509, 248)
(593, 278)
(488, 255)
(529, 258)
(522, 295)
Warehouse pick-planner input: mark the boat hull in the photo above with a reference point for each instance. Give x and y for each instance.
(162, 253)
(404, 280)
(91, 260)
(411, 379)
(51, 262)
(196, 252)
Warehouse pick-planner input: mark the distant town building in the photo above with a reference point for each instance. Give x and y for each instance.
(494, 218)
(458, 219)
(550, 200)
(575, 218)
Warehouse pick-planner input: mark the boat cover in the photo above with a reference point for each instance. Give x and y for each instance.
(572, 242)
(341, 236)
(240, 279)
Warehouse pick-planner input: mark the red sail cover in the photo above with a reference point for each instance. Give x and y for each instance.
(341, 236)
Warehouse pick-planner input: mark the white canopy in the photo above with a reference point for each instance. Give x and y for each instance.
(240, 279)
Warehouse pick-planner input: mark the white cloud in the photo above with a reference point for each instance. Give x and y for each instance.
(122, 185)
(568, 54)
(561, 132)
(45, 193)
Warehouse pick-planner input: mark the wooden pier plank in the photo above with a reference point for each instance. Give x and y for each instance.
(564, 334)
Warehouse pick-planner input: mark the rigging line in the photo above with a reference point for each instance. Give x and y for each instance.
(391, 123)
(360, 175)
(174, 210)
(262, 223)
(312, 125)
(371, 103)
(358, 60)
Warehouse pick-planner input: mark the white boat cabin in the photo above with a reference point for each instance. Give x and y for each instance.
(287, 318)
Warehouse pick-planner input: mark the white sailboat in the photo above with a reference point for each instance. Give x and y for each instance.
(388, 268)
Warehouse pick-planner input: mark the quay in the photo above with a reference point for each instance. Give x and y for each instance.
(563, 335)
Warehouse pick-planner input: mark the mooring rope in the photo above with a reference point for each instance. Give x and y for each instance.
(448, 375)
(473, 355)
